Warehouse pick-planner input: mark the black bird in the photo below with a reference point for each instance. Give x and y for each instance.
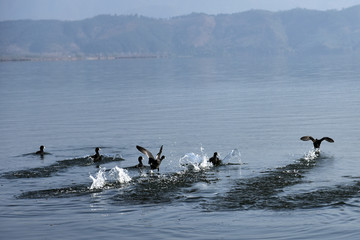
(97, 156)
(140, 164)
(316, 142)
(215, 160)
(41, 151)
(154, 162)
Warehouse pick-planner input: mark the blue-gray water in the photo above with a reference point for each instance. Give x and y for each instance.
(251, 111)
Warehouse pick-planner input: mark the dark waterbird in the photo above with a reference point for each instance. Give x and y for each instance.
(316, 142)
(215, 160)
(96, 157)
(153, 161)
(140, 165)
(41, 151)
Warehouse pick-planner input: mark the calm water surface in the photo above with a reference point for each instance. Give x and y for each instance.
(251, 111)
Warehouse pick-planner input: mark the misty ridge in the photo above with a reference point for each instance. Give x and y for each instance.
(255, 32)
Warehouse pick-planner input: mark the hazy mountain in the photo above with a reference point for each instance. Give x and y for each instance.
(297, 31)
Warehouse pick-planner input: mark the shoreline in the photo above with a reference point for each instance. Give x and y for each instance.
(90, 58)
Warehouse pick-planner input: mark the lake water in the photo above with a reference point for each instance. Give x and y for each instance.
(251, 111)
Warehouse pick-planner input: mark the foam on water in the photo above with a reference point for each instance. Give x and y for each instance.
(118, 174)
(234, 157)
(312, 155)
(99, 180)
(121, 175)
(195, 162)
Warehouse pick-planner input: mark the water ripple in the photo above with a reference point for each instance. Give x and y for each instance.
(49, 170)
(262, 192)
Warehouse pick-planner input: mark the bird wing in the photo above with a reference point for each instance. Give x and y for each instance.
(327, 139)
(307, 138)
(158, 156)
(146, 152)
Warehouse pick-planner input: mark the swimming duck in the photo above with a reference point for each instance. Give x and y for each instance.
(215, 160)
(154, 162)
(140, 164)
(97, 156)
(316, 142)
(41, 151)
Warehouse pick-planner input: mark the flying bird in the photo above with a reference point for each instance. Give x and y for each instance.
(316, 142)
(153, 161)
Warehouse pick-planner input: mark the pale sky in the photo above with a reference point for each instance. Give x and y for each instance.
(81, 9)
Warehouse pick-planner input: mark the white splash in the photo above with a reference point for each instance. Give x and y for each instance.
(99, 180)
(195, 162)
(204, 164)
(117, 156)
(202, 150)
(311, 155)
(234, 157)
(120, 174)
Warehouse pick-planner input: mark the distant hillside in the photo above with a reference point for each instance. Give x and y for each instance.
(254, 32)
